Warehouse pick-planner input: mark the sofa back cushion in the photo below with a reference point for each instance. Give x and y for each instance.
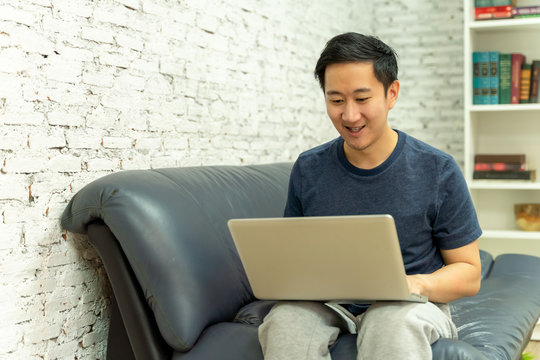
(172, 226)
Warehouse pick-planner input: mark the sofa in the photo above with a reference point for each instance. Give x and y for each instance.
(179, 289)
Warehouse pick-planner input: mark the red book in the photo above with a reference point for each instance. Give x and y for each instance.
(499, 166)
(493, 12)
(515, 87)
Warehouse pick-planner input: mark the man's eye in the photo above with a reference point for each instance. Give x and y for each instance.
(361, 99)
(336, 101)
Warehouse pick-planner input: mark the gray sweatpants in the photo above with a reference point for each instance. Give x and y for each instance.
(389, 330)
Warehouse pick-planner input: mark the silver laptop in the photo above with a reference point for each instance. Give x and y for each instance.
(345, 259)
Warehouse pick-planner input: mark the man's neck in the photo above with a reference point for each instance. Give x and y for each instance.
(375, 154)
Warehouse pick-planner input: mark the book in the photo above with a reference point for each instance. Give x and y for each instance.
(493, 12)
(525, 84)
(484, 77)
(477, 92)
(500, 166)
(526, 11)
(505, 175)
(535, 79)
(493, 77)
(505, 78)
(517, 61)
(500, 158)
(483, 3)
(503, 2)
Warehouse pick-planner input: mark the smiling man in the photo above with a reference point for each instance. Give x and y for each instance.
(374, 169)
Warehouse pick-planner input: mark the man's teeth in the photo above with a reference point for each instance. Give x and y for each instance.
(356, 128)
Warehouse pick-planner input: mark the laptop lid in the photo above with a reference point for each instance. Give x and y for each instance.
(335, 258)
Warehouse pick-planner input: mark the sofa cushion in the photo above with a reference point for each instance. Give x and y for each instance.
(498, 319)
(172, 226)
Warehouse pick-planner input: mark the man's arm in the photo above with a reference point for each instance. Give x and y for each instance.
(459, 278)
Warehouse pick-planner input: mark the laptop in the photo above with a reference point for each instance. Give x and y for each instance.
(338, 259)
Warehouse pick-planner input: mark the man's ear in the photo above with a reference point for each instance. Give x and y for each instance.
(392, 94)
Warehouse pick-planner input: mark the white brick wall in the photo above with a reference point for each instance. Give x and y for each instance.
(428, 36)
(89, 88)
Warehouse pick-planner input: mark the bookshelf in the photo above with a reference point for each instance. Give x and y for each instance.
(513, 128)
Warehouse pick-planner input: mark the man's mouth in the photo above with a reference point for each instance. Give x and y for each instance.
(355, 129)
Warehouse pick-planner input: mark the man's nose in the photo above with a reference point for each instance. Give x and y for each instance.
(351, 113)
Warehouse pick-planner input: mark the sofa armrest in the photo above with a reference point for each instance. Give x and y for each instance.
(171, 224)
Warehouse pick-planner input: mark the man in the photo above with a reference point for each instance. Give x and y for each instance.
(374, 169)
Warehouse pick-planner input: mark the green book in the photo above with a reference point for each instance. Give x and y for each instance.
(503, 2)
(505, 78)
(483, 3)
(494, 77)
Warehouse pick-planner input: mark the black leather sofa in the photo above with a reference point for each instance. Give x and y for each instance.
(179, 290)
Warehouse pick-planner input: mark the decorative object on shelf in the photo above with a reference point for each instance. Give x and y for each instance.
(527, 216)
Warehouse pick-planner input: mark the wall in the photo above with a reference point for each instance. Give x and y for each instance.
(428, 36)
(93, 87)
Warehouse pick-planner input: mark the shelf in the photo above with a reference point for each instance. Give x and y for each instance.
(504, 24)
(505, 107)
(511, 234)
(503, 185)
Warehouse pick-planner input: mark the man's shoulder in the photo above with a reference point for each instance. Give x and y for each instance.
(424, 150)
(320, 151)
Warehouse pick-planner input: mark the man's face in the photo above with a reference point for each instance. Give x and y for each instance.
(357, 105)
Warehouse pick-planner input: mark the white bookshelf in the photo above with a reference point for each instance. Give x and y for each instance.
(501, 129)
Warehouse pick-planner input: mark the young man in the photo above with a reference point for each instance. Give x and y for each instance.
(373, 169)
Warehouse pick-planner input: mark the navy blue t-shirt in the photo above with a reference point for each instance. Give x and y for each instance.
(419, 185)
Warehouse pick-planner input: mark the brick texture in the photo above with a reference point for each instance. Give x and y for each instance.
(93, 87)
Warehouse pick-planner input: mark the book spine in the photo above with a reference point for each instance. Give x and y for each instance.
(503, 2)
(517, 61)
(493, 12)
(483, 3)
(484, 79)
(535, 79)
(504, 175)
(477, 92)
(494, 77)
(499, 166)
(499, 158)
(525, 11)
(505, 78)
(525, 84)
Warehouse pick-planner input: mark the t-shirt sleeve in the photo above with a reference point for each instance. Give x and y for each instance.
(456, 223)
(293, 207)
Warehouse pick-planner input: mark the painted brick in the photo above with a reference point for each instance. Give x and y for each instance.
(33, 41)
(64, 163)
(63, 70)
(24, 164)
(113, 142)
(10, 13)
(102, 164)
(64, 119)
(13, 187)
(103, 79)
(22, 118)
(82, 9)
(130, 41)
(13, 60)
(46, 139)
(97, 35)
(114, 59)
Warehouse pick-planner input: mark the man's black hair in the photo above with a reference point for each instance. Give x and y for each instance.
(353, 47)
